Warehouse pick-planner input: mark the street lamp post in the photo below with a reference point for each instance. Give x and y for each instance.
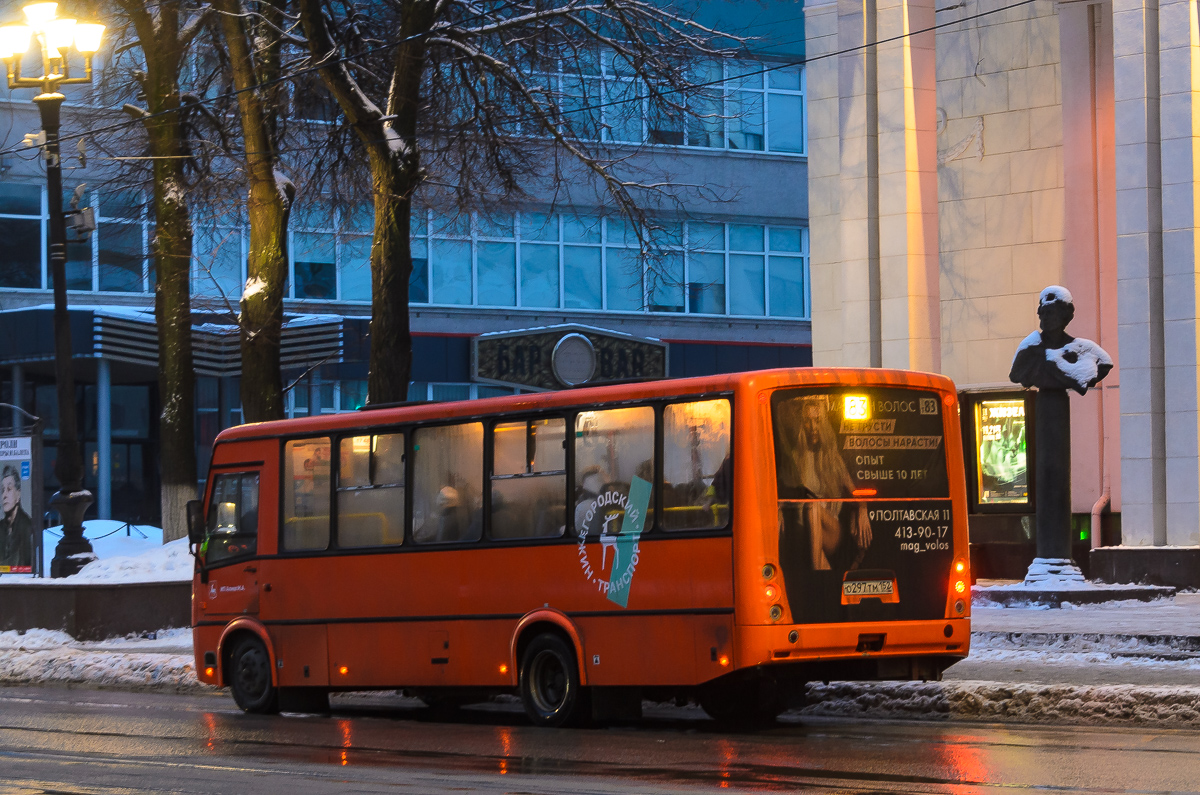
(56, 38)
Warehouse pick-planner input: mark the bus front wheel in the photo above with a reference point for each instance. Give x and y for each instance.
(551, 691)
(250, 677)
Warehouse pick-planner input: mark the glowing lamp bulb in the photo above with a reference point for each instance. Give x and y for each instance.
(343, 670)
(723, 660)
(209, 671)
(503, 668)
(960, 586)
(40, 14)
(960, 566)
(772, 593)
(88, 36)
(60, 34)
(14, 40)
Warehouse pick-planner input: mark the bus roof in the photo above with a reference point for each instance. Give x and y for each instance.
(614, 393)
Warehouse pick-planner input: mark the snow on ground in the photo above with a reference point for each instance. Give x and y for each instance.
(171, 562)
(165, 662)
(109, 538)
(126, 553)
(42, 656)
(1007, 701)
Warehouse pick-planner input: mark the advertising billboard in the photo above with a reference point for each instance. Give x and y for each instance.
(1002, 466)
(17, 495)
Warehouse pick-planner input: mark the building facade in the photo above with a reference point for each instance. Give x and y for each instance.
(727, 291)
(981, 153)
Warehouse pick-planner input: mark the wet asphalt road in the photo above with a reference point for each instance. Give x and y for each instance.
(88, 741)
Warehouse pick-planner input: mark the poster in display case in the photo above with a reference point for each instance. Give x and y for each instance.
(998, 436)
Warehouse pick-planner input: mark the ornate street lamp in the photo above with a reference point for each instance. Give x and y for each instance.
(56, 37)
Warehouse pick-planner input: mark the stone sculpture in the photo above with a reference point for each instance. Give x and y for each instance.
(1052, 358)
(1053, 361)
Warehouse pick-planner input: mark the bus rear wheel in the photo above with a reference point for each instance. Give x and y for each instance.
(751, 702)
(249, 677)
(551, 691)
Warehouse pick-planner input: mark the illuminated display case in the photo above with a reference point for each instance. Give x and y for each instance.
(998, 442)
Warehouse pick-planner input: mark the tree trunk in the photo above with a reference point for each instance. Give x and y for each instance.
(262, 303)
(391, 267)
(393, 153)
(268, 208)
(172, 308)
(171, 256)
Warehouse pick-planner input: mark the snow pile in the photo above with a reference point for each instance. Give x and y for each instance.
(1080, 360)
(42, 656)
(109, 538)
(968, 700)
(170, 562)
(140, 556)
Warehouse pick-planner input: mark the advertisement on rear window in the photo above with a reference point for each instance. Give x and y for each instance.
(865, 526)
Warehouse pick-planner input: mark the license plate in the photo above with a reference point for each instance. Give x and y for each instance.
(868, 588)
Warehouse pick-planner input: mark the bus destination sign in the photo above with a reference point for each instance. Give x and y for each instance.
(554, 357)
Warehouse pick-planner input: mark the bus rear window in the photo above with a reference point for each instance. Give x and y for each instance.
(856, 442)
(864, 511)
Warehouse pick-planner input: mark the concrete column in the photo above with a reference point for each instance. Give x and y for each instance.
(824, 180)
(18, 391)
(1140, 272)
(858, 125)
(1179, 119)
(910, 312)
(1089, 232)
(104, 438)
(875, 261)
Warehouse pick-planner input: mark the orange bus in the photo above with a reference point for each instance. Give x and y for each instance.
(723, 539)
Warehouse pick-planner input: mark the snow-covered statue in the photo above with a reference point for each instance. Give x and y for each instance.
(1052, 358)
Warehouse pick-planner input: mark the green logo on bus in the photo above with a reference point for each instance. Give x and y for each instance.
(621, 520)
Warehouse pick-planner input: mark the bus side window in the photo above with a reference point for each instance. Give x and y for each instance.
(232, 517)
(611, 449)
(306, 486)
(370, 493)
(697, 477)
(529, 479)
(448, 483)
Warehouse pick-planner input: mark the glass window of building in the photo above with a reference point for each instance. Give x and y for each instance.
(744, 106)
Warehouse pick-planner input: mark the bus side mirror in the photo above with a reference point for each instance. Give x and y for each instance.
(195, 521)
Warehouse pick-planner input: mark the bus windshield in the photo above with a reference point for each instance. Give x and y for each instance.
(864, 509)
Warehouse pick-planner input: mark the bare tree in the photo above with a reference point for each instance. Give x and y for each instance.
(164, 33)
(255, 32)
(472, 97)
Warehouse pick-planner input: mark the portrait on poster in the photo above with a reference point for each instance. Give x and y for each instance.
(16, 502)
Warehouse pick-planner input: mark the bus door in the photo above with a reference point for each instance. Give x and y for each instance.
(231, 543)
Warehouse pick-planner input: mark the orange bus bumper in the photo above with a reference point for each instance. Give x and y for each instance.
(758, 645)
